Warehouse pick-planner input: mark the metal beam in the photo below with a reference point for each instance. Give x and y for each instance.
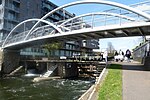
(30, 20)
(88, 35)
(112, 34)
(141, 31)
(98, 13)
(75, 38)
(145, 15)
(97, 35)
(125, 33)
(80, 38)
(84, 37)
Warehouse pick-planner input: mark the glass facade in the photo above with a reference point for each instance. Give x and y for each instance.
(15, 11)
(55, 17)
(0, 2)
(9, 15)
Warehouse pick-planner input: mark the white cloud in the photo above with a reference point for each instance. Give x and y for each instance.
(143, 7)
(123, 43)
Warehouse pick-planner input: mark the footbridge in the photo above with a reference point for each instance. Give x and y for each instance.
(122, 21)
(126, 21)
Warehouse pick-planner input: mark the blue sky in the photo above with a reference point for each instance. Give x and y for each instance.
(119, 43)
(79, 9)
(61, 2)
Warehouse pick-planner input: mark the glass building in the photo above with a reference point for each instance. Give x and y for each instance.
(13, 12)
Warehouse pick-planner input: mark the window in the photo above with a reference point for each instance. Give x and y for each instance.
(11, 15)
(62, 53)
(0, 21)
(67, 53)
(37, 6)
(73, 47)
(33, 14)
(57, 53)
(28, 4)
(67, 46)
(70, 53)
(0, 2)
(1, 35)
(6, 3)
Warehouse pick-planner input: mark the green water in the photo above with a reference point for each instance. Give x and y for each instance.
(22, 88)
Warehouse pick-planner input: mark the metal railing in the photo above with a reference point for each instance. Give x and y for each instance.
(89, 21)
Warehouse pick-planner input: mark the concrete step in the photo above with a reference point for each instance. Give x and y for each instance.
(15, 71)
(49, 72)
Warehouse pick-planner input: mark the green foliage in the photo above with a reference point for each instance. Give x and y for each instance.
(111, 88)
(52, 46)
(110, 54)
(140, 44)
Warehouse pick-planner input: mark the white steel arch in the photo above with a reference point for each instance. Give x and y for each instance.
(143, 14)
(28, 20)
(36, 30)
(98, 13)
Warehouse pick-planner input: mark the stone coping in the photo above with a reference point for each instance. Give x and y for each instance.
(90, 93)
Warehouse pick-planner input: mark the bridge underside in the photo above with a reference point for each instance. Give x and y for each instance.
(125, 30)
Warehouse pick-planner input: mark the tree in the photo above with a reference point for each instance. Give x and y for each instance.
(110, 47)
(52, 46)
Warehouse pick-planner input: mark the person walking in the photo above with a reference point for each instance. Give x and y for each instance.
(116, 53)
(105, 55)
(121, 52)
(128, 54)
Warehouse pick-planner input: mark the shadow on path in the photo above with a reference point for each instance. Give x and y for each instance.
(130, 66)
(136, 81)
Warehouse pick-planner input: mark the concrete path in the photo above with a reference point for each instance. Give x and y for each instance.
(136, 82)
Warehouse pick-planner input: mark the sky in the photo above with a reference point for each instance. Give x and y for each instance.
(79, 9)
(62, 2)
(123, 43)
(118, 43)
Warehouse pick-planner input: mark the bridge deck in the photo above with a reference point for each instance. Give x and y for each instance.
(110, 31)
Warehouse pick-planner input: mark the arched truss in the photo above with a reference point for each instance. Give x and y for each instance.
(98, 13)
(147, 16)
(143, 14)
(29, 20)
(92, 14)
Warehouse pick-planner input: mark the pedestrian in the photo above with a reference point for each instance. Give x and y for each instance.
(116, 53)
(121, 52)
(105, 55)
(128, 54)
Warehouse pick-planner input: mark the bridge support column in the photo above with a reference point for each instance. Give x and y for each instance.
(9, 60)
(147, 63)
(68, 69)
(1, 57)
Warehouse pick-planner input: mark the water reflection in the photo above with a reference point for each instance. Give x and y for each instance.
(22, 88)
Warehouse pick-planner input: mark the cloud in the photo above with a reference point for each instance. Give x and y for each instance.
(143, 7)
(123, 43)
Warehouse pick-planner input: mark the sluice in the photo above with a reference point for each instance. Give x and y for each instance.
(90, 69)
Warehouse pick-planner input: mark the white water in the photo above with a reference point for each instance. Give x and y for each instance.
(30, 75)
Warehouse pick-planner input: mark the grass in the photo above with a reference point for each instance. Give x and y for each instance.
(111, 88)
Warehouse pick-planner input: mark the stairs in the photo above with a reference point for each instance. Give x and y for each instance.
(91, 70)
(49, 72)
(15, 71)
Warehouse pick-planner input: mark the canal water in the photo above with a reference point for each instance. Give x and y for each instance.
(22, 88)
